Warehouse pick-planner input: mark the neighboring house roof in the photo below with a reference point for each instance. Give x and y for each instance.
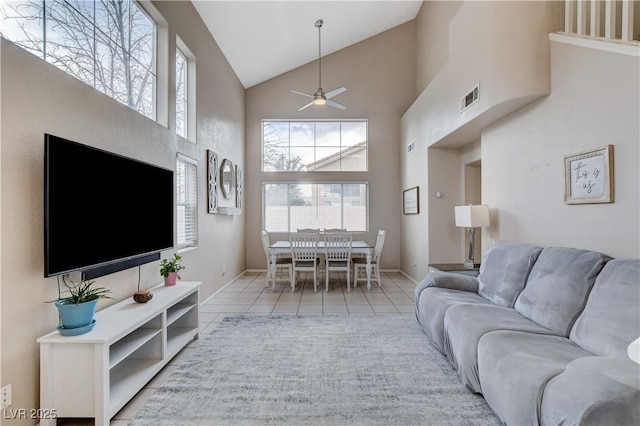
(336, 156)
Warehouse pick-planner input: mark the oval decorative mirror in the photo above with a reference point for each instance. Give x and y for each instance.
(227, 179)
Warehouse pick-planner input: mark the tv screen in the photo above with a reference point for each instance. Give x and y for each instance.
(101, 208)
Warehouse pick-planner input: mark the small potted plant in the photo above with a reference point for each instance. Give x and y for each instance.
(76, 310)
(169, 269)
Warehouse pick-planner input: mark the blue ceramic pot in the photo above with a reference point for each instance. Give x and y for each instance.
(74, 315)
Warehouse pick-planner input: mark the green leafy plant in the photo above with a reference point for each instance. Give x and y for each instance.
(167, 266)
(81, 292)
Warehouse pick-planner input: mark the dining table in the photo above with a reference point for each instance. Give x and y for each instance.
(284, 247)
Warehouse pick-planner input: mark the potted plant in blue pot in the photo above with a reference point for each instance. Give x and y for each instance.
(76, 310)
(169, 269)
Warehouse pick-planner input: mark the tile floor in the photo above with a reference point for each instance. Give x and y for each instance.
(248, 296)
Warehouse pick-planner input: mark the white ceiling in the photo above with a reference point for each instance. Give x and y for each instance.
(263, 39)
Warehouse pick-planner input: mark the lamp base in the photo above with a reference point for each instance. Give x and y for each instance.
(470, 264)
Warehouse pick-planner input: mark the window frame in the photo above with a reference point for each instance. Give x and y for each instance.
(342, 205)
(191, 205)
(315, 146)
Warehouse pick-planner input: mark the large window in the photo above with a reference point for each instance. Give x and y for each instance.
(288, 206)
(109, 45)
(314, 145)
(186, 201)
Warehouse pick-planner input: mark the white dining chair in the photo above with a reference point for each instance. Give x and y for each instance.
(304, 254)
(330, 230)
(360, 263)
(337, 249)
(282, 263)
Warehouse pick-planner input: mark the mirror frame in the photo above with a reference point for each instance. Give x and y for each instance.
(228, 179)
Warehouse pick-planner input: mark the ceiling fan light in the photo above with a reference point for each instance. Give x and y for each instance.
(319, 98)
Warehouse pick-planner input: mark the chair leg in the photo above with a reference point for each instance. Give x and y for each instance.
(378, 275)
(326, 279)
(268, 273)
(348, 279)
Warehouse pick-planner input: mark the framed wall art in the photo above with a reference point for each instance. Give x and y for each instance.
(588, 176)
(411, 201)
(212, 180)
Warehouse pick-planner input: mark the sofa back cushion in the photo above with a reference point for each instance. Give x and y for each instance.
(558, 287)
(504, 271)
(611, 319)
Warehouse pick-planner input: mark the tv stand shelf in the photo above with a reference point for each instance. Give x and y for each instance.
(96, 374)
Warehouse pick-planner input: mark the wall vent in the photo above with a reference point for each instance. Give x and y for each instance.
(470, 98)
(410, 147)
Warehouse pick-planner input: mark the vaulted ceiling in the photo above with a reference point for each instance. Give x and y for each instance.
(263, 39)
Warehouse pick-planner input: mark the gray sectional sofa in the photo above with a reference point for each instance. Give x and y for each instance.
(542, 333)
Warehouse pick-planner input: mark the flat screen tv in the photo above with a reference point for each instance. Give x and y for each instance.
(103, 212)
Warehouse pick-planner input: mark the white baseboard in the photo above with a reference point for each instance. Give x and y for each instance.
(205, 301)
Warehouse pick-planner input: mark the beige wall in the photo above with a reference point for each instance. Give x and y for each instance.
(432, 38)
(590, 106)
(379, 75)
(504, 47)
(37, 98)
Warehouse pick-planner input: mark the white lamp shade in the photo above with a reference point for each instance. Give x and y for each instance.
(472, 216)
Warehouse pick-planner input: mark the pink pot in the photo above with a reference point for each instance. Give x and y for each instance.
(171, 278)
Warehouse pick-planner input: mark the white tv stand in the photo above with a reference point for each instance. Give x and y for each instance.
(96, 374)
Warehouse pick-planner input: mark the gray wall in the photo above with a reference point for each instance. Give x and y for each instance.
(38, 98)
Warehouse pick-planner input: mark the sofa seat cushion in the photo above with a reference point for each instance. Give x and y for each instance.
(515, 367)
(504, 271)
(611, 319)
(558, 287)
(593, 391)
(432, 305)
(465, 324)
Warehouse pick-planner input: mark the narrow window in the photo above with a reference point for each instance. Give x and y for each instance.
(181, 94)
(186, 202)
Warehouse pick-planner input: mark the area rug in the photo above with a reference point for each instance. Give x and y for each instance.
(315, 370)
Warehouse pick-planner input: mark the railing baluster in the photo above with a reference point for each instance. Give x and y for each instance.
(610, 19)
(569, 6)
(627, 20)
(596, 7)
(581, 18)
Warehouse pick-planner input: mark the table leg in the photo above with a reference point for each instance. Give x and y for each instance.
(368, 270)
(273, 270)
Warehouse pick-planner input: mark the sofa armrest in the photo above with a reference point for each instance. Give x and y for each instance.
(449, 280)
(593, 391)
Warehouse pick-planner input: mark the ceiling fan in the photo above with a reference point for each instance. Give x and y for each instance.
(320, 97)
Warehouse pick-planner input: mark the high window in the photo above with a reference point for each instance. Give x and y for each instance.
(185, 91)
(186, 202)
(314, 145)
(288, 206)
(181, 94)
(109, 45)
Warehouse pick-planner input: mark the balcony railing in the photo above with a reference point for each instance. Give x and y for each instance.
(610, 20)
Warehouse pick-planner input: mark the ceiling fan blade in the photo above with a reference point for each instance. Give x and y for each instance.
(300, 93)
(306, 106)
(335, 104)
(335, 92)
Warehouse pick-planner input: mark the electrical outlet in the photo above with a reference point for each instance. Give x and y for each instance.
(6, 396)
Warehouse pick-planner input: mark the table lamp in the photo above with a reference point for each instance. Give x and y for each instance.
(472, 217)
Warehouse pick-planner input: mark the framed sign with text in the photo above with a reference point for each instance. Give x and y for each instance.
(588, 176)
